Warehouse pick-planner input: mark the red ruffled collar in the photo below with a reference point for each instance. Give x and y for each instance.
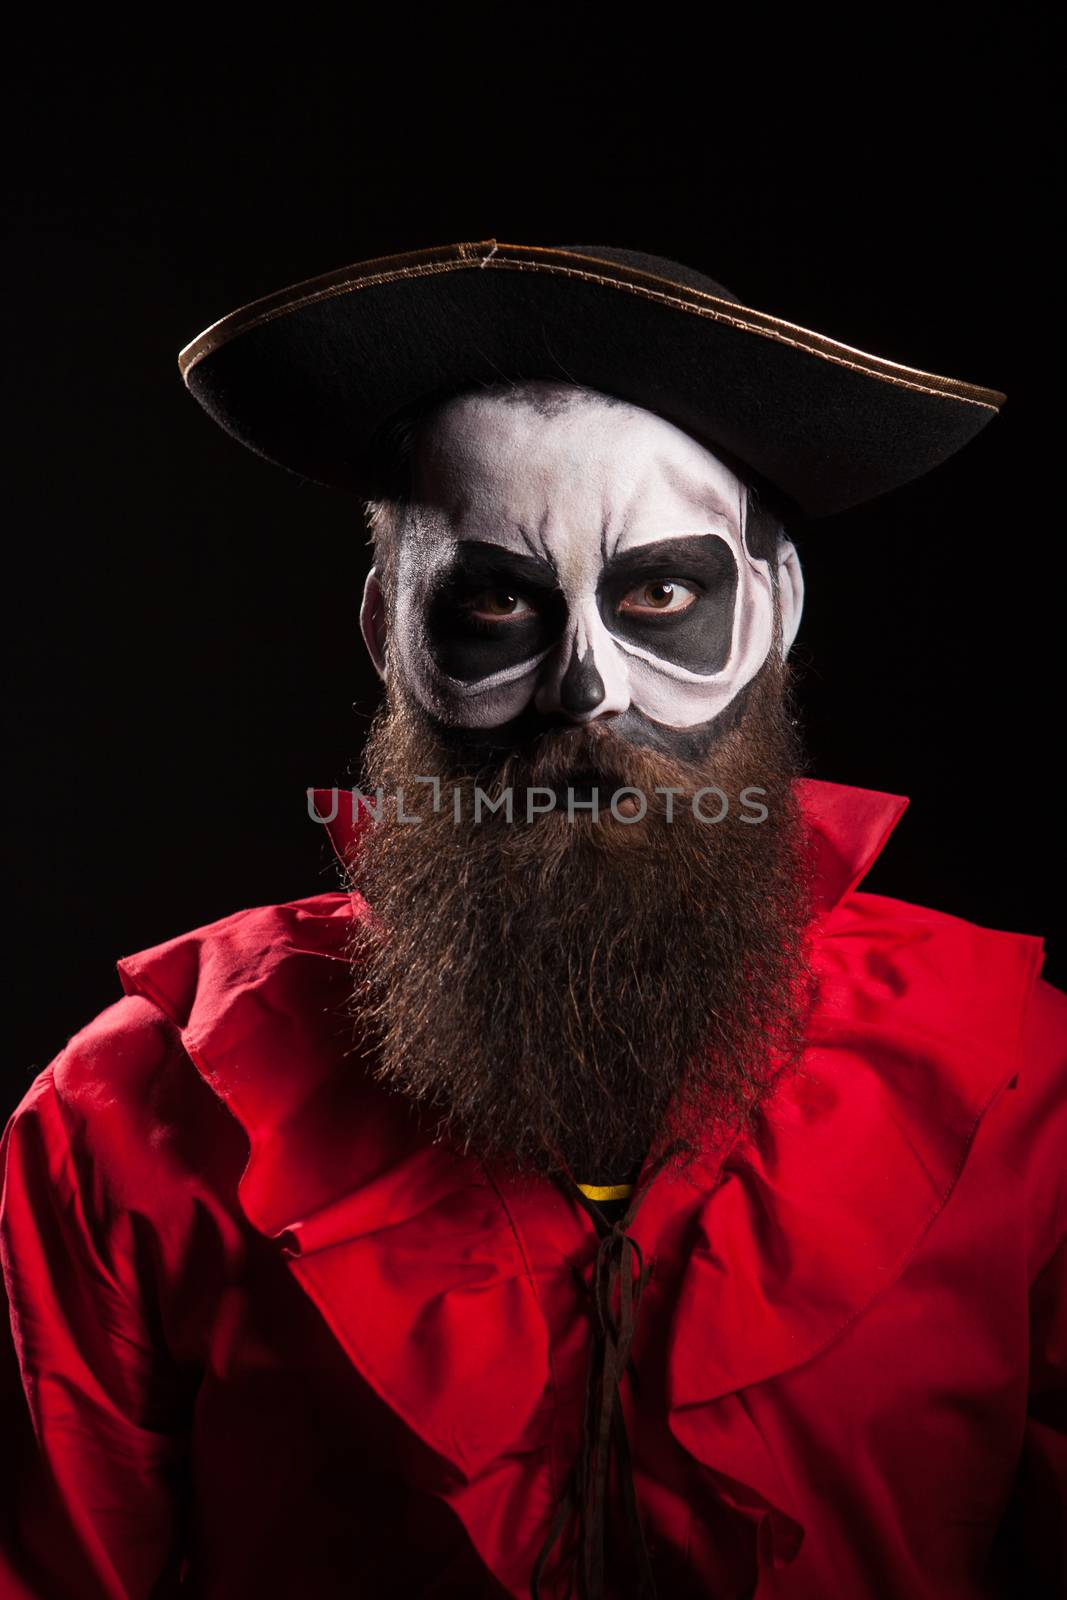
(793, 1235)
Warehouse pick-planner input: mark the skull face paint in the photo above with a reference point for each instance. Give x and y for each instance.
(567, 556)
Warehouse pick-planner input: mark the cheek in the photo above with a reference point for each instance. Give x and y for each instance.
(675, 702)
(671, 692)
(464, 683)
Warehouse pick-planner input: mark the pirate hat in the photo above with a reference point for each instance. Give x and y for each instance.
(310, 376)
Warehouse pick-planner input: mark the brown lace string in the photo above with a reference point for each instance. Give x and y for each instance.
(604, 1424)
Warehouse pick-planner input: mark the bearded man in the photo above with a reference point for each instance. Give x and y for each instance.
(599, 1194)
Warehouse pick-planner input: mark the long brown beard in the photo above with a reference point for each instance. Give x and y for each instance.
(565, 994)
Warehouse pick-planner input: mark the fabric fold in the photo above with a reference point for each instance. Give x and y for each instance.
(819, 1213)
(402, 1244)
(418, 1257)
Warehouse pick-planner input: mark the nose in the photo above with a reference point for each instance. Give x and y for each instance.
(581, 688)
(585, 678)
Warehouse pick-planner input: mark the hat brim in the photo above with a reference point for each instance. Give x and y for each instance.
(307, 377)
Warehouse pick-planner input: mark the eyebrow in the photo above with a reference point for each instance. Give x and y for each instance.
(709, 554)
(482, 559)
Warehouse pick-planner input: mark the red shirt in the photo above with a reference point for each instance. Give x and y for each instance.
(272, 1341)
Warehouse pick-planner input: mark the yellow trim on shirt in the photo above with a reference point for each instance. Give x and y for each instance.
(611, 1191)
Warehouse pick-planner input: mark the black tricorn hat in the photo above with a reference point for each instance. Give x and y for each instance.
(310, 377)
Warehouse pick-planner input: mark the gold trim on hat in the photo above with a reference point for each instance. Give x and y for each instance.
(489, 254)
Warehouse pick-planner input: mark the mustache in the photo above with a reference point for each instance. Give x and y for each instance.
(594, 756)
(593, 752)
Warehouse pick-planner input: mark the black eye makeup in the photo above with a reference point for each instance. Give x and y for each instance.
(674, 598)
(491, 609)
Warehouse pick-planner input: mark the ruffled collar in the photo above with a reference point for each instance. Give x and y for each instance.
(793, 1234)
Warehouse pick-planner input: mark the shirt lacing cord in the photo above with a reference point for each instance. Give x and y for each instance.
(604, 1425)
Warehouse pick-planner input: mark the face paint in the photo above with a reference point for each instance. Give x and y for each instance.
(567, 556)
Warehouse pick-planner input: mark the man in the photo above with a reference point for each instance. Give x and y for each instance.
(601, 1194)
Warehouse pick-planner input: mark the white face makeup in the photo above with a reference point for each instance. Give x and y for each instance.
(587, 562)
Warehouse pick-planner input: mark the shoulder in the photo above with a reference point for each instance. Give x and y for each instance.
(108, 1065)
(970, 956)
(1046, 1026)
(969, 1003)
(192, 976)
(958, 976)
(123, 1107)
(975, 978)
(1028, 1125)
(123, 1126)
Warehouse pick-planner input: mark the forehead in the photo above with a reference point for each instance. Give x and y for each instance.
(552, 464)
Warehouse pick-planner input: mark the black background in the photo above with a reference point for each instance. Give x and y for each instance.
(184, 649)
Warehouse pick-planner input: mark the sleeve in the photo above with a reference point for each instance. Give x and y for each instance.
(1044, 1466)
(94, 1424)
(1030, 1552)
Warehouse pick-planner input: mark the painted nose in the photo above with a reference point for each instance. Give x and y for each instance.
(581, 689)
(592, 684)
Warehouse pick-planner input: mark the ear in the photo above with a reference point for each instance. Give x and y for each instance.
(790, 592)
(373, 621)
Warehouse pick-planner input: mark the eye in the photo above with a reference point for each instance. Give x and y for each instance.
(658, 596)
(498, 605)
